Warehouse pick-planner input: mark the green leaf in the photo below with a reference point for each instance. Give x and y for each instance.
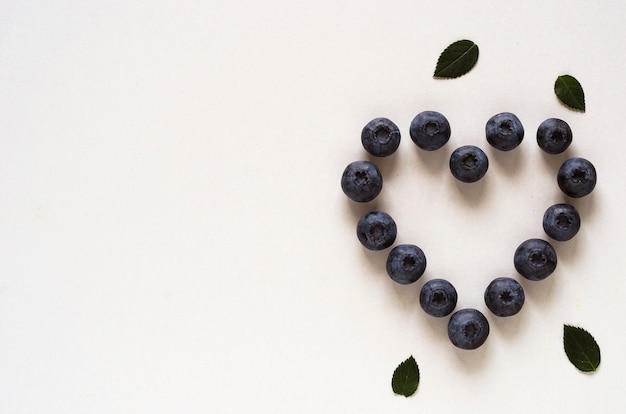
(581, 349)
(406, 377)
(457, 59)
(570, 92)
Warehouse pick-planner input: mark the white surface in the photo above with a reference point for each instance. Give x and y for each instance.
(175, 240)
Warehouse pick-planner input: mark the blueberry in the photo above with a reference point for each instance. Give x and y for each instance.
(406, 263)
(468, 328)
(438, 297)
(577, 177)
(535, 259)
(554, 136)
(468, 163)
(504, 131)
(361, 181)
(376, 230)
(380, 137)
(504, 296)
(561, 221)
(430, 130)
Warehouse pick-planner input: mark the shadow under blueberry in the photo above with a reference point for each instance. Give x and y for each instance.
(386, 165)
(586, 206)
(554, 161)
(435, 162)
(567, 251)
(377, 260)
(406, 295)
(472, 360)
(356, 210)
(540, 292)
(438, 327)
(508, 327)
(473, 194)
(506, 162)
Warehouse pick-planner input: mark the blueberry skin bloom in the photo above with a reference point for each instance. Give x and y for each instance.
(577, 177)
(406, 263)
(535, 259)
(554, 136)
(468, 329)
(504, 131)
(468, 163)
(376, 230)
(561, 221)
(361, 181)
(438, 297)
(504, 296)
(430, 130)
(380, 137)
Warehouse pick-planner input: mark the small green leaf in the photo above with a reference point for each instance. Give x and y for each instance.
(581, 349)
(570, 92)
(457, 59)
(406, 377)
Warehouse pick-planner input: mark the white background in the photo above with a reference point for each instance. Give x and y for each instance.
(173, 235)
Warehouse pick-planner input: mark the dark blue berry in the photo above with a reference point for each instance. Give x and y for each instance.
(468, 163)
(577, 177)
(554, 136)
(380, 137)
(438, 297)
(406, 263)
(504, 131)
(468, 329)
(535, 259)
(561, 221)
(430, 130)
(361, 181)
(504, 296)
(376, 230)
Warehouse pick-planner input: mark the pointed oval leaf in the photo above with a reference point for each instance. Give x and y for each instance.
(581, 348)
(406, 377)
(570, 92)
(457, 59)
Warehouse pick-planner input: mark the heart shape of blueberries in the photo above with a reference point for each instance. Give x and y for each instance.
(534, 259)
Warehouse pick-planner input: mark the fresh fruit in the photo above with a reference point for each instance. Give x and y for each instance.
(504, 296)
(561, 221)
(468, 328)
(554, 136)
(430, 130)
(438, 297)
(380, 137)
(535, 259)
(504, 131)
(406, 263)
(577, 177)
(361, 181)
(468, 163)
(376, 230)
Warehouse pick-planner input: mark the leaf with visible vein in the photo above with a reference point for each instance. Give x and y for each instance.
(406, 377)
(457, 59)
(581, 348)
(570, 92)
